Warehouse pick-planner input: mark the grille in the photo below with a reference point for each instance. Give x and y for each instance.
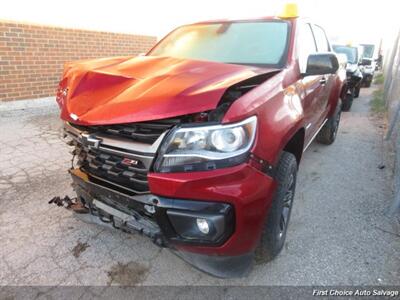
(146, 132)
(114, 168)
(122, 154)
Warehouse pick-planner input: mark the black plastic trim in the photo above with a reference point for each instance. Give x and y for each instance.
(135, 204)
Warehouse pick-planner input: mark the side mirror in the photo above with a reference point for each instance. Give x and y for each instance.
(322, 63)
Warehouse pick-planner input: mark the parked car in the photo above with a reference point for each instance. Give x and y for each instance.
(197, 144)
(379, 62)
(354, 74)
(367, 68)
(368, 64)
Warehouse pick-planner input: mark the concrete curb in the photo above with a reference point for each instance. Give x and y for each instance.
(26, 104)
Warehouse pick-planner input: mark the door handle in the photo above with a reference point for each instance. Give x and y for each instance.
(322, 81)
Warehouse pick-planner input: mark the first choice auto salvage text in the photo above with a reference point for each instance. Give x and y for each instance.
(356, 292)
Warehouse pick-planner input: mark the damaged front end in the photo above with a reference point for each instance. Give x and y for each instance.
(109, 171)
(110, 179)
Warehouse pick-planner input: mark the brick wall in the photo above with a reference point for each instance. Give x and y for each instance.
(32, 56)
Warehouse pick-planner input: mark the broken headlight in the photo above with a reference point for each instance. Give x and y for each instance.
(209, 147)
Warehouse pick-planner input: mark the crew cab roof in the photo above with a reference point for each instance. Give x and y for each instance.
(257, 19)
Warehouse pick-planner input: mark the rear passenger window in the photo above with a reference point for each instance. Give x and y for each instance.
(320, 38)
(305, 45)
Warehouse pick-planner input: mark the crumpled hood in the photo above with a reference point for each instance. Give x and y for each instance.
(134, 89)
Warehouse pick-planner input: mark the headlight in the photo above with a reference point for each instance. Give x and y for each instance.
(206, 147)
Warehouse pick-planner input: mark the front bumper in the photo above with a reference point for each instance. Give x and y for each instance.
(247, 189)
(353, 80)
(166, 221)
(241, 194)
(367, 77)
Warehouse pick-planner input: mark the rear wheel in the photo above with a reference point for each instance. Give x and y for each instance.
(328, 133)
(275, 228)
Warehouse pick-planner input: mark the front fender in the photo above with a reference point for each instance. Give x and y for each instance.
(280, 115)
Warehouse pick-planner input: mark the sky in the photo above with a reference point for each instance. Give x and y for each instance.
(349, 21)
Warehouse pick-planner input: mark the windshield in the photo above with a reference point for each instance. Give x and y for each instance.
(368, 50)
(248, 43)
(351, 52)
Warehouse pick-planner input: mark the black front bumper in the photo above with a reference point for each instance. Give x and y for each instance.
(367, 77)
(353, 80)
(128, 212)
(166, 221)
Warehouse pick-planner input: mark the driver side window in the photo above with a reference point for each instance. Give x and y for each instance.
(320, 38)
(305, 45)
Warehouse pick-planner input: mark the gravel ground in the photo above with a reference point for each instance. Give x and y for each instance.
(338, 235)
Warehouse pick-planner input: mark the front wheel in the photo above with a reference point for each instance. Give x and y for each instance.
(274, 232)
(357, 91)
(347, 102)
(328, 133)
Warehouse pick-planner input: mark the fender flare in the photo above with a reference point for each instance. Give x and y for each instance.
(288, 136)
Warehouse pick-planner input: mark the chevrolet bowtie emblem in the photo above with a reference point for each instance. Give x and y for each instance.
(90, 141)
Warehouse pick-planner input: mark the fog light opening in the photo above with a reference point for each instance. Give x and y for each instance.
(203, 226)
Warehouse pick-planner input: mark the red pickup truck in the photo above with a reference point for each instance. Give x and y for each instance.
(197, 144)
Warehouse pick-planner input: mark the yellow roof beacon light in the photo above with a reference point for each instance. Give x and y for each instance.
(290, 10)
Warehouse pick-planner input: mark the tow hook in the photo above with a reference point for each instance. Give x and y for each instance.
(74, 204)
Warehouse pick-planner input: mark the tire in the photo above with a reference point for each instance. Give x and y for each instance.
(347, 102)
(357, 91)
(275, 227)
(368, 83)
(328, 133)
